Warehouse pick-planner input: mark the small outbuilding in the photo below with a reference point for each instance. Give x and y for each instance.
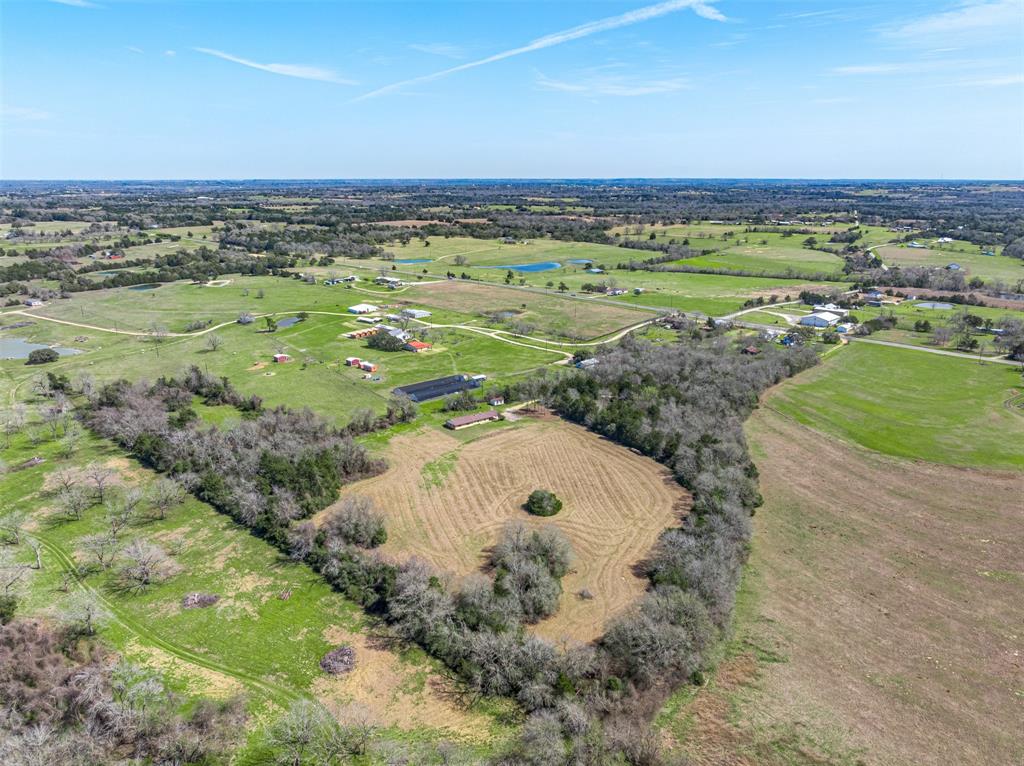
(496, 401)
(751, 351)
(352, 361)
(367, 366)
(416, 346)
(415, 313)
(465, 421)
(282, 358)
(362, 308)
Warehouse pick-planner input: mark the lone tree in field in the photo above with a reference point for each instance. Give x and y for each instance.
(543, 503)
(42, 356)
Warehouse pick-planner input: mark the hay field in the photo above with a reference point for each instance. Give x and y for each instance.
(447, 499)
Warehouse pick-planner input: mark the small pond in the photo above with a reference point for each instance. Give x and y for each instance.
(580, 260)
(413, 260)
(287, 322)
(151, 286)
(19, 348)
(933, 305)
(542, 266)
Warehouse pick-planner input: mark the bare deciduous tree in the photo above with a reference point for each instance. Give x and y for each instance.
(101, 476)
(145, 564)
(214, 342)
(73, 501)
(165, 494)
(102, 546)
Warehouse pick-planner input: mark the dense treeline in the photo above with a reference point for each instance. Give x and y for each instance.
(63, 701)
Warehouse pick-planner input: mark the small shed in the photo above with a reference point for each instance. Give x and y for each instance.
(496, 401)
(367, 366)
(282, 358)
(352, 361)
(416, 346)
(751, 351)
(465, 421)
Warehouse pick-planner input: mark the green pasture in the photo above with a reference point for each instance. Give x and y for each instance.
(968, 256)
(771, 259)
(491, 252)
(912, 404)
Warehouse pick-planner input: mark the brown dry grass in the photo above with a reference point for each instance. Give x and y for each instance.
(394, 693)
(615, 505)
(893, 590)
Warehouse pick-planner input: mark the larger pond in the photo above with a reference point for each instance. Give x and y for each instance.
(542, 266)
(287, 322)
(19, 348)
(933, 305)
(413, 260)
(580, 260)
(144, 287)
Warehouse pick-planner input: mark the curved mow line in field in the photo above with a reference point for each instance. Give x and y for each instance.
(616, 505)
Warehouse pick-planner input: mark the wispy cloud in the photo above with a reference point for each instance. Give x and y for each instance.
(971, 21)
(134, 49)
(170, 53)
(922, 66)
(702, 8)
(447, 50)
(76, 3)
(288, 70)
(997, 81)
(613, 85)
(26, 113)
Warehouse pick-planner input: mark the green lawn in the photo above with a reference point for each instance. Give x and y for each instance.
(912, 404)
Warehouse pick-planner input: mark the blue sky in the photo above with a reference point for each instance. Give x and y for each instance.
(685, 88)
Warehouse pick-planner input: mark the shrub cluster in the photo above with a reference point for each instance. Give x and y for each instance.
(541, 502)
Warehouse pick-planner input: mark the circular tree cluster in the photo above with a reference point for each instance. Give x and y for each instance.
(42, 356)
(543, 503)
(338, 661)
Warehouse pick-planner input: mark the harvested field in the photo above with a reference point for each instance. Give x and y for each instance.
(889, 591)
(446, 501)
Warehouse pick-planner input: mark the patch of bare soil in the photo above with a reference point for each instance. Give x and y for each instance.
(395, 693)
(894, 591)
(450, 511)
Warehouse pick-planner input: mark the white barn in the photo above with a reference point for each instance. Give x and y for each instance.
(820, 319)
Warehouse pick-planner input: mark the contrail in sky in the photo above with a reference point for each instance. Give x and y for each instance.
(700, 7)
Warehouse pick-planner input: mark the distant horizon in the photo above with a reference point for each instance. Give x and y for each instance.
(508, 179)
